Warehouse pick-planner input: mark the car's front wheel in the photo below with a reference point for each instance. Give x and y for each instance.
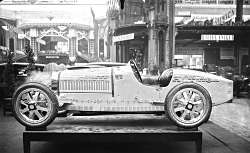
(188, 105)
(34, 105)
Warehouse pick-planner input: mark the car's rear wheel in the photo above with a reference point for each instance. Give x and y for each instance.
(34, 105)
(188, 105)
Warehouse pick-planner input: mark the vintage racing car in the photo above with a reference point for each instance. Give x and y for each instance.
(185, 96)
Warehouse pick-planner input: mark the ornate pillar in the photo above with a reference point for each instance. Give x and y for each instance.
(33, 43)
(91, 43)
(38, 47)
(72, 45)
(113, 55)
(153, 50)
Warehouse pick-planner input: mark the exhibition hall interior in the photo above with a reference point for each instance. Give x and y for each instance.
(124, 76)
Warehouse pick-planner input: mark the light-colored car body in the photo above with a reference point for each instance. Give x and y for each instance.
(185, 96)
(117, 89)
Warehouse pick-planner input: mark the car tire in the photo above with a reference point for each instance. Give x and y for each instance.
(188, 105)
(34, 105)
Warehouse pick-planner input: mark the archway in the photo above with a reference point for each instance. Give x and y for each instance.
(54, 44)
(83, 45)
(11, 45)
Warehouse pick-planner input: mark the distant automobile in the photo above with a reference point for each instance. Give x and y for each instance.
(186, 96)
(242, 82)
(18, 76)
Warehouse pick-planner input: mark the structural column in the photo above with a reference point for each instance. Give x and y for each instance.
(238, 21)
(161, 24)
(152, 50)
(153, 63)
(112, 44)
(249, 50)
(237, 53)
(170, 35)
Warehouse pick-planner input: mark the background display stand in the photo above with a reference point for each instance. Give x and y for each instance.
(56, 132)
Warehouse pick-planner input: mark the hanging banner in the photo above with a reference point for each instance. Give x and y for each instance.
(183, 18)
(39, 40)
(221, 20)
(21, 36)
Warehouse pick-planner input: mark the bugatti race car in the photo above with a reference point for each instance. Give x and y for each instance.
(185, 96)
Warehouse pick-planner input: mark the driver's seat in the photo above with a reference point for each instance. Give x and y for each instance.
(152, 80)
(163, 80)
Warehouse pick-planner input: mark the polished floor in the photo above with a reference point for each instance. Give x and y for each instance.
(228, 131)
(234, 117)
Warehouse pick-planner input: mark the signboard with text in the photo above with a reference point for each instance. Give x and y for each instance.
(124, 37)
(217, 37)
(52, 57)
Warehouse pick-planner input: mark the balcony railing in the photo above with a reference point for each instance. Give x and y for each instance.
(218, 2)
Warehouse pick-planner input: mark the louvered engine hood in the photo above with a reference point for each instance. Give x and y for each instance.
(85, 80)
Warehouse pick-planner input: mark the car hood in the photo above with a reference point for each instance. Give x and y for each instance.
(88, 73)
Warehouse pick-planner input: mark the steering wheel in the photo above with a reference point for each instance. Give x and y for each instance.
(135, 70)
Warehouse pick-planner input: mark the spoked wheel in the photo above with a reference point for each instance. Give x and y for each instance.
(34, 105)
(189, 105)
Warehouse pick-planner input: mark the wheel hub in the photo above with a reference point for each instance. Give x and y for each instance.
(189, 106)
(31, 107)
